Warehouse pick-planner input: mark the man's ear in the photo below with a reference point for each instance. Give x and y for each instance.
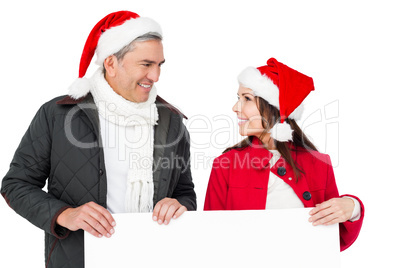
(110, 64)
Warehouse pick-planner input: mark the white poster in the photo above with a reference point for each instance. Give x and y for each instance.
(263, 238)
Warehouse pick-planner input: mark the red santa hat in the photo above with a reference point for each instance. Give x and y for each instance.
(109, 35)
(282, 87)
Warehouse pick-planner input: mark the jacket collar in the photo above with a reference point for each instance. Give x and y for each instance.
(259, 155)
(68, 100)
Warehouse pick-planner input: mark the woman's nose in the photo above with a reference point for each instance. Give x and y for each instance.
(236, 107)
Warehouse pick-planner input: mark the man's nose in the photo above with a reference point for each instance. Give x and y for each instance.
(154, 74)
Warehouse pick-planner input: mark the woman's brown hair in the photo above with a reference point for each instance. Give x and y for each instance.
(270, 115)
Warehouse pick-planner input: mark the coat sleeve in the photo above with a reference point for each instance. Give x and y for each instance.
(348, 231)
(217, 190)
(184, 190)
(29, 170)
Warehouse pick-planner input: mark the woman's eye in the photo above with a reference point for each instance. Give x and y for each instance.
(247, 98)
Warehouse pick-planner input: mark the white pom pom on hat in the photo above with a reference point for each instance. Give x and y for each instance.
(281, 132)
(108, 36)
(79, 88)
(282, 87)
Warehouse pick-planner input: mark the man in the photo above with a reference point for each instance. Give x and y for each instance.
(111, 146)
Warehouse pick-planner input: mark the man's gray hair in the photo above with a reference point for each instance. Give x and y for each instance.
(130, 47)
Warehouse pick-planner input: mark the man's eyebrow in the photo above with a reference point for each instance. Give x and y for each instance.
(153, 62)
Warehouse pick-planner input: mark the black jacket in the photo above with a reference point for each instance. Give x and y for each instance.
(61, 147)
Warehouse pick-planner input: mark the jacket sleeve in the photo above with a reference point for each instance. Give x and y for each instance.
(217, 190)
(184, 190)
(29, 170)
(348, 231)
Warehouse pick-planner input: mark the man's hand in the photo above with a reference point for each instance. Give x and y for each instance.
(335, 210)
(90, 217)
(166, 209)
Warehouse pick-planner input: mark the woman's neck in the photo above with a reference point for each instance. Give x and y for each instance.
(268, 142)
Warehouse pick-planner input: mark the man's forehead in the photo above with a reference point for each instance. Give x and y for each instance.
(150, 48)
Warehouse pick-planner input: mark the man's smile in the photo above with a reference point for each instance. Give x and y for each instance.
(144, 85)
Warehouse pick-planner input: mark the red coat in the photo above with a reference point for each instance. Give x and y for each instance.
(239, 181)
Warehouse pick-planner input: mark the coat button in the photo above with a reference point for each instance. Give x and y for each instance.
(101, 172)
(281, 171)
(307, 195)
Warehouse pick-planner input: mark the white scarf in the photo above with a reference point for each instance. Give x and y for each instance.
(142, 117)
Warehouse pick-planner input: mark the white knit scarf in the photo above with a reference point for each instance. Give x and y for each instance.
(142, 117)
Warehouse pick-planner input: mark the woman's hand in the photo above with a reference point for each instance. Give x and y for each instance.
(335, 210)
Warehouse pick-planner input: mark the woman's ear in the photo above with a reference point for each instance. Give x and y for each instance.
(110, 64)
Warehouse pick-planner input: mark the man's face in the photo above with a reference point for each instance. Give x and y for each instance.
(139, 69)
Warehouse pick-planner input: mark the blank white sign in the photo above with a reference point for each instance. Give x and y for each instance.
(262, 238)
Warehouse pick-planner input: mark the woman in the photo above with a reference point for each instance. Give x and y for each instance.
(277, 166)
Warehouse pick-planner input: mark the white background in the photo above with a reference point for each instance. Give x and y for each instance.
(352, 49)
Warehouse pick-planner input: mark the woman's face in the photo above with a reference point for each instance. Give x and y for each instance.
(248, 114)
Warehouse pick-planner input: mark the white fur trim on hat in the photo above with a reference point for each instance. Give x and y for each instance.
(79, 88)
(262, 85)
(281, 132)
(115, 38)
